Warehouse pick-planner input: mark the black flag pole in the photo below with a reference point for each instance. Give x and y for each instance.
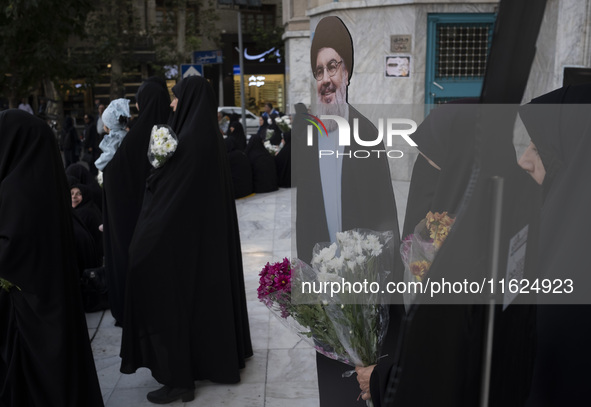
(495, 245)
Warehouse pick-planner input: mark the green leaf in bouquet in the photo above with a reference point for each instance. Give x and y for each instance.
(7, 285)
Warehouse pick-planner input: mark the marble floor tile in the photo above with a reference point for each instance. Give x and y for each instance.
(291, 365)
(281, 337)
(297, 394)
(237, 395)
(256, 368)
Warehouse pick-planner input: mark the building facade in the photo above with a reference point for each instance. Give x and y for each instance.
(442, 46)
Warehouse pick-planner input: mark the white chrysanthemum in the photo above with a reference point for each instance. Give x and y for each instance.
(336, 263)
(324, 276)
(360, 260)
(347, 253)
(376, 251)
(325, 254)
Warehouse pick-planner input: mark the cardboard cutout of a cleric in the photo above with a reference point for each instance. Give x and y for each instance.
(337, 189)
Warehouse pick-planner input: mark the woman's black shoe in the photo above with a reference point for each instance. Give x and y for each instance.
(167, 394)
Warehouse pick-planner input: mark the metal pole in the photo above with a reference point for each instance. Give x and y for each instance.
(497, 202)
(241, 59)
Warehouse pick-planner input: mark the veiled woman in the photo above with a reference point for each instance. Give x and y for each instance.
(283, 162)
(439, 346)
(264, 172)
(84, 176)
(240, 170)
(558, 159)
(124, 181)
(89, 215)
(185, 315)
(45, 355)
(237, 136)
(435, 333)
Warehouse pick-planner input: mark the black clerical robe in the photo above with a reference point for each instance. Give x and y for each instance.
(367, 201)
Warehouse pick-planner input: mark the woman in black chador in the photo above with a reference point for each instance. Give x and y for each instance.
(240, 170)
(89, 215)
(264, 172)
(70, 142)
(237, 136)
(558, 159)
(436, 357)
(283, 162)
(84, 176)
(185, 305)
(124, 183)
(45, 355)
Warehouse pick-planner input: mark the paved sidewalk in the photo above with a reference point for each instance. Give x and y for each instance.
(282, 372)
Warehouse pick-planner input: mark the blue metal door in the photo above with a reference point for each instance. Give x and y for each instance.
(457, 50)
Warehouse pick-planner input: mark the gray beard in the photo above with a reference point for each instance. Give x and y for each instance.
(339, 108)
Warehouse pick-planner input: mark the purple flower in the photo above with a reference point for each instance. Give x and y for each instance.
(273, 278)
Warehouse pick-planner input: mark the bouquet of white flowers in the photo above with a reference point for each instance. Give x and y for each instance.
(360, 315)
(272, 149)
(163, 143)
(284, 123)
(269, 133)
(348, 325)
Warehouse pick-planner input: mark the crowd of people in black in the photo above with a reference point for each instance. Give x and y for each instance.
(132, 230)
(169, 253)
(260, 162)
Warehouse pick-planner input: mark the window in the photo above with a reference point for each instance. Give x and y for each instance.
(457, 50)
(263, 18)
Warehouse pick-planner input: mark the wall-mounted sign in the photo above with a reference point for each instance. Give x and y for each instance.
(397, 66)
(257, 81)
(261, 56)
(207, 57)
(400, 43)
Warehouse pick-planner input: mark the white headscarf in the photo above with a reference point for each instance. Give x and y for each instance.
(112, 141)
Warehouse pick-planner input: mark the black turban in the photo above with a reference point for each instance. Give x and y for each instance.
(331, 32)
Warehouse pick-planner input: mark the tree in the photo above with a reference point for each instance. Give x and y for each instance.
(183, 25)
(114, 30)
(34, 35)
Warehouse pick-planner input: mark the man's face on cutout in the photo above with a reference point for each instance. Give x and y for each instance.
(330, 89)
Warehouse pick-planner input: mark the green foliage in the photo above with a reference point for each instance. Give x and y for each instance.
(114, 33)
(201, 16)
(34, 35)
